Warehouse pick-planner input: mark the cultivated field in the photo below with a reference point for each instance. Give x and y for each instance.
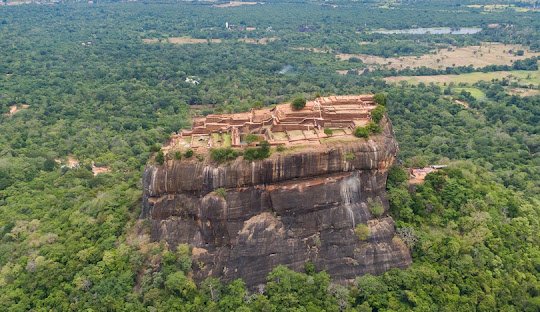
(478, 56)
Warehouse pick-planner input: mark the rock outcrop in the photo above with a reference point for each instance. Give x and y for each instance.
(243, 218)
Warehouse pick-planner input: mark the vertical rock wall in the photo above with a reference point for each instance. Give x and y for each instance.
(291, 208)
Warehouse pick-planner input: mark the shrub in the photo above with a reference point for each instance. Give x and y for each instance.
(160, 158)
(223, 154)
(373, 128)
(377, 113)
(188, 153)
(261, 152)
(155, 148)
(177, 155)
(250, 138)
(280, 148)
(328, 131)
(298, 103)
(361, 132)
(380, 98)
(376, 207)
(349, 156)
(221, 192)
(309, 268)
(362, 231)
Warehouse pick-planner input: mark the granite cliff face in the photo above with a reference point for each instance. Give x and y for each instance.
(296, 206)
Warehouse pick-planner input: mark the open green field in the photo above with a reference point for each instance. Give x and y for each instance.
(476, 93)
(522, 77)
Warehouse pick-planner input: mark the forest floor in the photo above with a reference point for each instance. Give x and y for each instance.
(477, 56)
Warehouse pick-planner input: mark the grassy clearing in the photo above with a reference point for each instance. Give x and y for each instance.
(476, 93)
(501, 7)
(522, 77)
(478, 56)
(227, 140)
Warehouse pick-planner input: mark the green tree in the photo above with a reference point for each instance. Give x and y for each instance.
(298, 103)
(361, 132)
(179, 285)
(160, 157)
(377, 113)
(362, 231)
(380, 98)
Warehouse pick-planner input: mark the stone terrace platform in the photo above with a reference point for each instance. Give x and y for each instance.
(280, 125)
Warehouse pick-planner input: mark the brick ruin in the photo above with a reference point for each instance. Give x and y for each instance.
(280, 125)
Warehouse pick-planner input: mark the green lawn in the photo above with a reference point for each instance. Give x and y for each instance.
(476, 93)
(522, 77)
(227, 140)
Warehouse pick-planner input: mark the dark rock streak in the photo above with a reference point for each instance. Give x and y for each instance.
(291, 208)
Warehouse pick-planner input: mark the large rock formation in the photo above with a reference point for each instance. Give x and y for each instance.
(296, 206)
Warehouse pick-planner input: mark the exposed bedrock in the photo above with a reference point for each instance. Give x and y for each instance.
(291, 208)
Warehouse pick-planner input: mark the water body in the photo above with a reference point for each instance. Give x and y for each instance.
(431, 31)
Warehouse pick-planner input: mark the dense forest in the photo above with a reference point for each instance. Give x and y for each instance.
(97, 93)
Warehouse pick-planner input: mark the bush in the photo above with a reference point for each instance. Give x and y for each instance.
(177, 155)
(309, 268)
(280, 148)
(361, 132)
(362, 231)
(188, 153)
(380, 98)
(377, 113)
(328, 131)
(250, 138)
(221, 192)
(350, 156)
(223, 154)
(155, 148)
(160, 158)
(298, 103)
(373, 128)
(376, 207)
(261, 152)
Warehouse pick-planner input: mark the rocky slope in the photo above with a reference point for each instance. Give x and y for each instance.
(296, 206)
